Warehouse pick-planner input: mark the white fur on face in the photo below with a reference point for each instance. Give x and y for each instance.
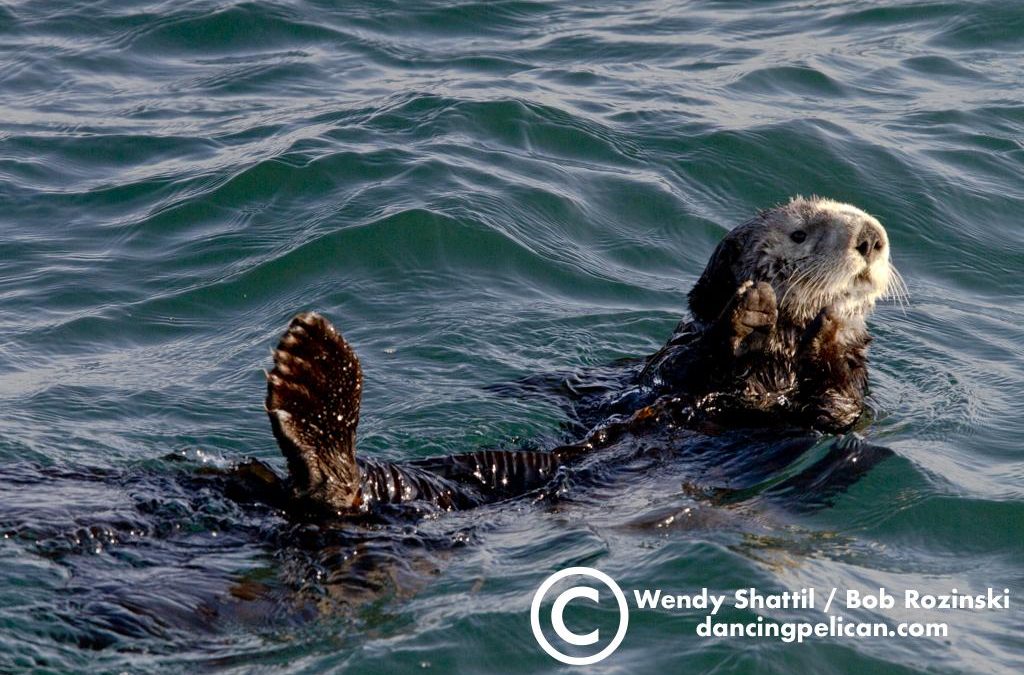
(825, 269)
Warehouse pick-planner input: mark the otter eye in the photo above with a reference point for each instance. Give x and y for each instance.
(798, 236)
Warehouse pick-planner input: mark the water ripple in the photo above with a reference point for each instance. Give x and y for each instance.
(478, 192)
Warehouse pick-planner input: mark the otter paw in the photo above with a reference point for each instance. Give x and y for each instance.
(823, 329)
(755, 309)
(753, 317)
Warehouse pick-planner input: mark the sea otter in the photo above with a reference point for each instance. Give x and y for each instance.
(777, 336)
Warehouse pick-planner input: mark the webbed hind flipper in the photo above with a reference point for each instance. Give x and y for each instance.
(313, 396)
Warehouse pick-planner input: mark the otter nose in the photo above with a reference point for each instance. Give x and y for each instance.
(869, 242)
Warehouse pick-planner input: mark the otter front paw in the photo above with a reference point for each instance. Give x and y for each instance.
(752, 317)
(820, 335)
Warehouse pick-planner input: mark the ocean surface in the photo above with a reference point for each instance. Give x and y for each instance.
(476, 193)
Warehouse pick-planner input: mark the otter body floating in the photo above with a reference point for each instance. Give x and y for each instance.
(777, 337)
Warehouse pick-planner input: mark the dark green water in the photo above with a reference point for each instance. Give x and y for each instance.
(477, 192)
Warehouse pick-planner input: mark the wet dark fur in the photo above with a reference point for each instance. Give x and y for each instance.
(751, 363)
(744, 360)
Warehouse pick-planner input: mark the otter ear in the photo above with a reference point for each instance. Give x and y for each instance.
(718, 283)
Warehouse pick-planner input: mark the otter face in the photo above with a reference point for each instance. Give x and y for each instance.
(816, 254)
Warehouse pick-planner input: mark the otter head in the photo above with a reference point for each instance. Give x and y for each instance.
(816, 254)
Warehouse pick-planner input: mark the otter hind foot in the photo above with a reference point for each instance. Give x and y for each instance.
(313, 395)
